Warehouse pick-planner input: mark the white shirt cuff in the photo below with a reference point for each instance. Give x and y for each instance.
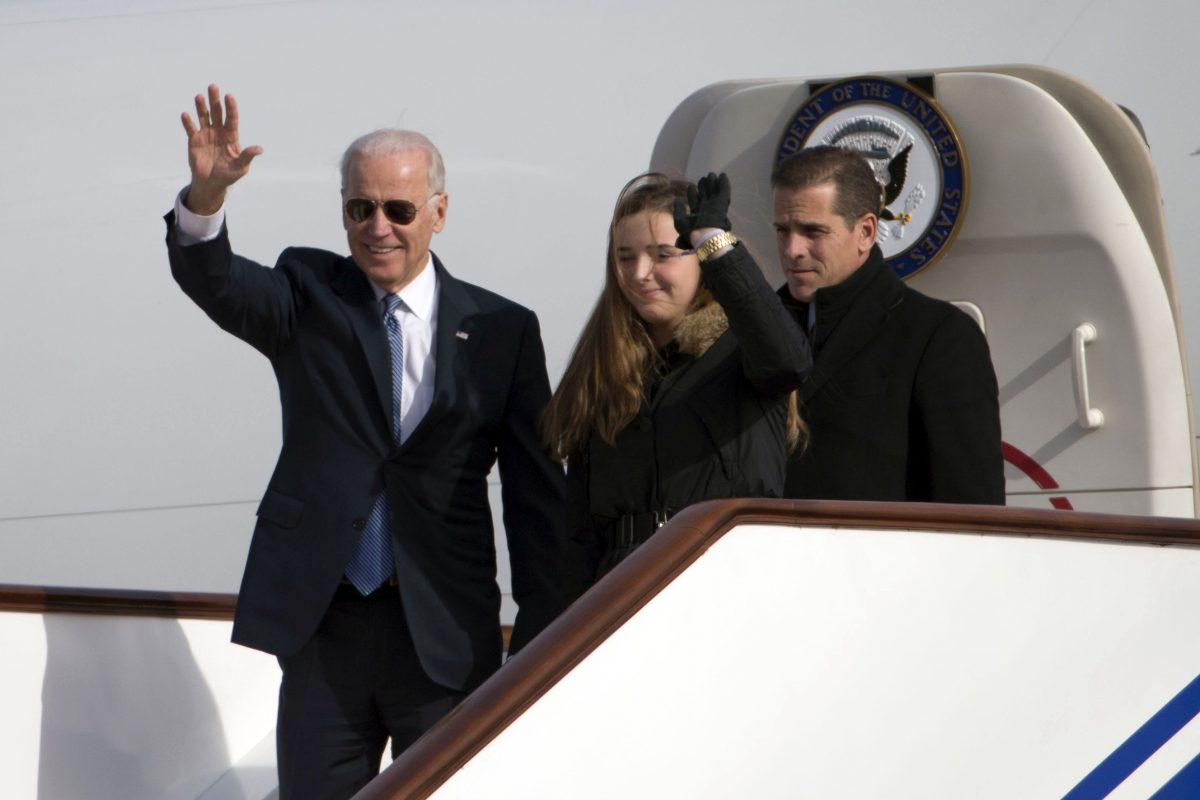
(705, 234)
(196, 228)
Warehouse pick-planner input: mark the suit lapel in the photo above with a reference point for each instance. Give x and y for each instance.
(858, 326)
(456, 339)
(366, 318)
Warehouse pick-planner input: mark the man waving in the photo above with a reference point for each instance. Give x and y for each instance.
(371, 573)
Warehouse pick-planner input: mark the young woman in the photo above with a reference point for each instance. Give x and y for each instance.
(681, 387)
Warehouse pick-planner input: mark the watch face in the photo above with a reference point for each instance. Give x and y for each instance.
(914, 150)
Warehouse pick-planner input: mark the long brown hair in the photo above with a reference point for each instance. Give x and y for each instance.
(602, 387)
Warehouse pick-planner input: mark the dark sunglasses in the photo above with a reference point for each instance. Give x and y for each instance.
(400, 212)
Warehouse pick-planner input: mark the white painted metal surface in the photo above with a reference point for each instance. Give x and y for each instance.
(1144, 502)
(1050, 243)
(125, 708)
(130, 421)
(137, 437)
(862, 664)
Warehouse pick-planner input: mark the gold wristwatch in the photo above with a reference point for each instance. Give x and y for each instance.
(712, 245)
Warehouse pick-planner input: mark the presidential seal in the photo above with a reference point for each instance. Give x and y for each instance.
(914, 149)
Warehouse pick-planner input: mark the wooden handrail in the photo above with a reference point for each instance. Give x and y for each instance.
(126, 603)
(116, 602)
(481, 717)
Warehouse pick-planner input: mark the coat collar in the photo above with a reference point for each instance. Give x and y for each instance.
(694, 337)
(419, 296)
(834, 301)
(849, 316)
(698, 330)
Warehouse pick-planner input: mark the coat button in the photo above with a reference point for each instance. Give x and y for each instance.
(359, 524)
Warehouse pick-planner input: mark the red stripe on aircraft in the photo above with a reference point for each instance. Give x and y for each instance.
(1036, 473)
(1027, 465)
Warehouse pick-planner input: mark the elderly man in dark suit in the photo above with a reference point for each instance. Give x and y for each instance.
(372, 570)
(902, 399)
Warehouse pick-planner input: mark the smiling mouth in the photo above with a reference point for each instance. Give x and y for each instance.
(379, 251)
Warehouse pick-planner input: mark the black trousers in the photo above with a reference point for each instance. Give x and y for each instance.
(354, 684)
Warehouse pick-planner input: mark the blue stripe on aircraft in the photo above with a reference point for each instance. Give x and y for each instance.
(1134, 751)
(1184, 786)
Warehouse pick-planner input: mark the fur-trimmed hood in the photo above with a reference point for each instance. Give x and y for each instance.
(698, 330)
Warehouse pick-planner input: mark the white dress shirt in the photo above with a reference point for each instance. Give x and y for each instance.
(417, 315)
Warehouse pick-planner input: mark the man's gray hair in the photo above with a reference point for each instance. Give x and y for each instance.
(386, 141)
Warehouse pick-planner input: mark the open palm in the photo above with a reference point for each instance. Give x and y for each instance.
(216, 158)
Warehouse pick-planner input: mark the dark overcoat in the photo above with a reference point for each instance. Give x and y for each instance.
(902, 399)
(714, 426)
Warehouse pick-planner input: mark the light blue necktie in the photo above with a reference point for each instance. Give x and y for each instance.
(373, 561)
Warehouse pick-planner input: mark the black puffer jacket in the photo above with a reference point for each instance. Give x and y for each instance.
(714, 426)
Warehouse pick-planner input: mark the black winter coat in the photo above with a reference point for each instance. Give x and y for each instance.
(714, 426)
(902, 400)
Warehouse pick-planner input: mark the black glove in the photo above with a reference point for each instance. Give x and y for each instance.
(710, 208)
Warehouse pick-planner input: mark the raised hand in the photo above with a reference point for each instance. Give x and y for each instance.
(709, 208)
(216, 159)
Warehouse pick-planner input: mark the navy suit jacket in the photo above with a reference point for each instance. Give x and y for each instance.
(316, 318)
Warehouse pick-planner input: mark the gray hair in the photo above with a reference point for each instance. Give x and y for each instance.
(386, 141)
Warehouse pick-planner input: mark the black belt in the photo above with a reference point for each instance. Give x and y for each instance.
(630, 530)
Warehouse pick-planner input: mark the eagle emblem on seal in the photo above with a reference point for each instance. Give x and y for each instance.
(913, 150)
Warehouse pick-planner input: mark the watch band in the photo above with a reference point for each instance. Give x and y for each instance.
(712, 245)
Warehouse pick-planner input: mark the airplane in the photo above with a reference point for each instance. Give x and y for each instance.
(134, 461)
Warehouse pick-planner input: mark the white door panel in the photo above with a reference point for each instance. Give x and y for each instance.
(1049, 243)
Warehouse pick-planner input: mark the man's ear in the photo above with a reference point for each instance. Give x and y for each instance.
(443, 204)
(867, 228)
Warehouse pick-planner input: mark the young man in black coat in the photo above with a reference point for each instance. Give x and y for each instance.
(902, 400)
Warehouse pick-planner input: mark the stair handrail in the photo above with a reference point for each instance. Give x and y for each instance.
(116, 602)
(579, 630)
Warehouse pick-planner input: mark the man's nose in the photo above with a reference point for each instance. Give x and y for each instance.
(379, 224)
(796, 248)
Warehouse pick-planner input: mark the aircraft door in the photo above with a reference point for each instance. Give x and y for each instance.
(1073, 293)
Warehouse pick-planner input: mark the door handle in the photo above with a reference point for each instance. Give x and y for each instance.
(1089, 418)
